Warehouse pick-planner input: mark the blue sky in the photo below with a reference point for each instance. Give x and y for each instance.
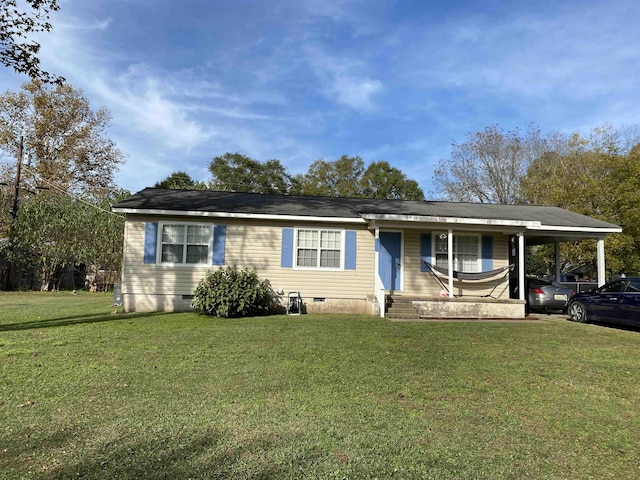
(299, 80)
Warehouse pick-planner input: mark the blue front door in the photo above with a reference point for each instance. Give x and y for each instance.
(389, 259)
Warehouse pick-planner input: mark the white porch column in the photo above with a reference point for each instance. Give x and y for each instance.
(557, 254)
(601, 266)
(450, 261)
(521, 272)
(378, 288)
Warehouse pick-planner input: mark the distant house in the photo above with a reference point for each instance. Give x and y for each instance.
(342, 254)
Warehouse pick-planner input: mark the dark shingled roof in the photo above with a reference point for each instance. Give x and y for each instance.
(151, 199)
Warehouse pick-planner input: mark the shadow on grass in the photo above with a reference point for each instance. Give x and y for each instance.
(75, 320)
(207, 454)
(617, 326)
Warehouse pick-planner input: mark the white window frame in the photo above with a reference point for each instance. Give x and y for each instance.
(456, 265)
(318, 267)
(159, 244)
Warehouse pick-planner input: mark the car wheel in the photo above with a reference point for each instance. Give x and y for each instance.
(577, 312)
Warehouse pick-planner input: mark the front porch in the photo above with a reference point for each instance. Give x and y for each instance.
(402, 307)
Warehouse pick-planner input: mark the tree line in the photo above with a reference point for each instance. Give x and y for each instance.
(343, 177)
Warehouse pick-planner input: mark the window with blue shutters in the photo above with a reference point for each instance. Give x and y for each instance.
(183, 243)
(323, 249)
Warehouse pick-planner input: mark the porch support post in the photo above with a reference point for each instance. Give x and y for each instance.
(521, 272)
(377, 282)
(601, 266)
(557, 260)
(450, 261)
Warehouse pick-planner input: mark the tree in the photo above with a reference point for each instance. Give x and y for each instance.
(48, 234)
(65, 138)
(181, 180)
(381, 180)
(238, 173)
(15, 26)
(104, 234)
(598, 176)
(340, 178)
(55, 230)
(68, 152)
(487, 167)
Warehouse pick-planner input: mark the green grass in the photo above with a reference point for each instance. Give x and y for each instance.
(89, 392)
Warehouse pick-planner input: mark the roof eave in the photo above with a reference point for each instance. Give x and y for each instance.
(256, 216)
(452, 220)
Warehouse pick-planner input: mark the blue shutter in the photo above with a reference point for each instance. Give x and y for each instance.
(286, 260)
(150, 242)
(487, 253)
(350, 250)
(425, 251)
(219, 240)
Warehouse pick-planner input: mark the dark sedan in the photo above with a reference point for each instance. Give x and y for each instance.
(616, 302)
(544, 295)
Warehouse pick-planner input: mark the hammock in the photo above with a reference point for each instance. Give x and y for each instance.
(469, 276)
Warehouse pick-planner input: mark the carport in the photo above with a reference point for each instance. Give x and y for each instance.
(565, 229)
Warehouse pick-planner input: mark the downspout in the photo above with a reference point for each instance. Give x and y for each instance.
(125, 306)
(557, 260)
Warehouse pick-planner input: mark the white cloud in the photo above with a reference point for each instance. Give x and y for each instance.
(143, 100)
(341, 80)
(356, 92)
(137, 97)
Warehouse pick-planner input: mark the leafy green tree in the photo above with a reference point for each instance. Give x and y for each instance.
(104, 233)
(344, 177)
(381, 180)
(15, 25)
(340, 178)
(65, 139)
(48, 234)
(54, 230)
(181, 180)
(234, 172)
(596, 176)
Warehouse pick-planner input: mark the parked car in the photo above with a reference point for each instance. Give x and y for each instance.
(544, 295)
(564, 277)
(616, 302)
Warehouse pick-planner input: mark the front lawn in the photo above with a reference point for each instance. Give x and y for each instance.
(89, 392)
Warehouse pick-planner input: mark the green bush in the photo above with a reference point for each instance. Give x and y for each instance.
(230, 292)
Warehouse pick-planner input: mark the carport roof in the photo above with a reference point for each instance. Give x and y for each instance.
(209, 203)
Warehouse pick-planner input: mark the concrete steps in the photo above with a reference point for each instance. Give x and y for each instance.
(400, 308)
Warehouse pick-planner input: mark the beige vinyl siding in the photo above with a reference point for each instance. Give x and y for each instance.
(424, 284)
(252, 245)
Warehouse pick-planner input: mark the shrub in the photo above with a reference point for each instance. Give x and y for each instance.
(230, 292)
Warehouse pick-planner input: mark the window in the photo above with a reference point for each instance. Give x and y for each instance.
(185, 243)
(319, 248)
(465, 252)
(614, 287)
